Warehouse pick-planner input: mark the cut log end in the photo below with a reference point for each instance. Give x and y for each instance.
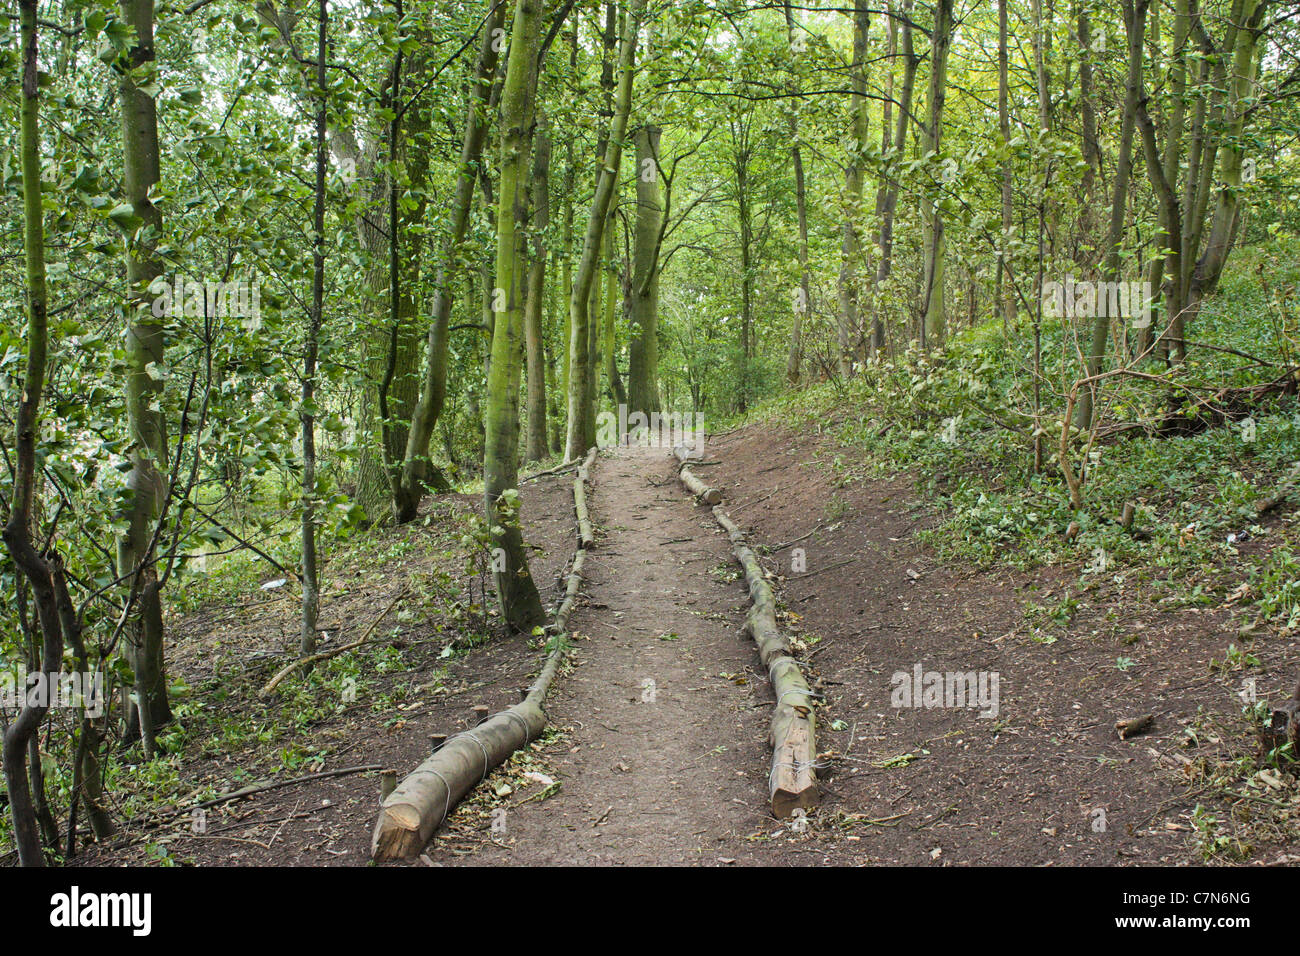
(397, 834)
(786, 802)
(702, 492)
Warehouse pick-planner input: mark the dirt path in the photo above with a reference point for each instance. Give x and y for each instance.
(677, 776)
(658, 736)
(665, 717)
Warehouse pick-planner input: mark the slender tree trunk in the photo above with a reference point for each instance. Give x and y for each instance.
(1005, 279)
(1088, 122)
(392, 356)
(1174, 291)
(851, 242)
(888, 204)
(417, 470)
(595, 336)
(40, 800)
(1223, 227)
(144, 389)
(555, 420)
(804, 296)
(1194, 215)
(88, 774)
(535, 448)
(875, 322)
(1042, 78)
(17, 531)
(1119, 203)
(310, 578)
(520, 603)
(614, 285)
(933, 308)
(395, 285)
(566, 282)
(745, 216)
(595, 332)
(397, 354)
(643, 349)
(581, 422)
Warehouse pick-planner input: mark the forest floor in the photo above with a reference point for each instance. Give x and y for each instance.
(657, 751)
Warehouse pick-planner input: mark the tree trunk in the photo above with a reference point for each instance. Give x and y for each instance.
(616, 292)
(417, 470)
(804, 297)
(1119, 203)
(144, 346)
(535, 447)
(581, 424)
(395, 349)
(1240, 97)
(934, 325)
(566, 269)
(88, 774)
(520, 603)
(745, 216)
(1005, 282)
(851, 243)
(17, 531)
(310, 579)
(1088, 122)
(643, 348)
(874, 322)
(888, 202)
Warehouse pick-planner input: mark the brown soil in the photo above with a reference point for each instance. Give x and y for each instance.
(1024, 788)
(663, 752)
(658, 750)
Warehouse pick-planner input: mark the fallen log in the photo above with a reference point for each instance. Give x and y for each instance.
(550, 471)
(792, 783)
(412, 813)
(409, 815)
(586, 537)
(692, 483)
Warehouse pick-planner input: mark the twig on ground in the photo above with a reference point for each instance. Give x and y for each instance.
(263, 788)
(301, 662)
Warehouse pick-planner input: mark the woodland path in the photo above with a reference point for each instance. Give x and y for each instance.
(665, 717)
(682, 779)
(679, 776)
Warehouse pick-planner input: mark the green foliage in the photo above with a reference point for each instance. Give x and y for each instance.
(959, 424)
